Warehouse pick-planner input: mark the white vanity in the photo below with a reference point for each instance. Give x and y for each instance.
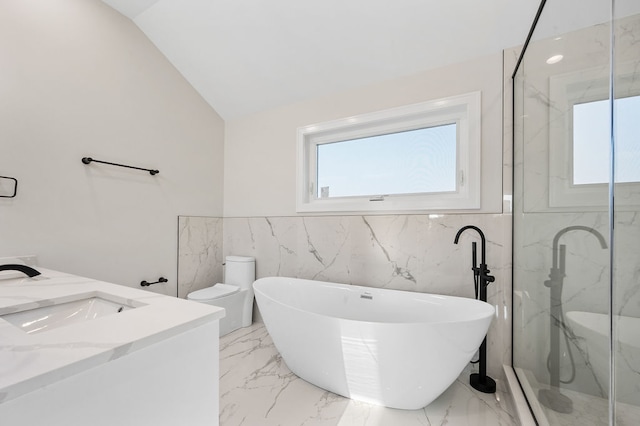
(135, 358)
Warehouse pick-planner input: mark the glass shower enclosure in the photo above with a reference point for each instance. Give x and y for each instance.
(576, 221)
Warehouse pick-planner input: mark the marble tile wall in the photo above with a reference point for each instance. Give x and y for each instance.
(585, 288)
(626, 245)
(546, 97)
(199, 253)
(403, 252)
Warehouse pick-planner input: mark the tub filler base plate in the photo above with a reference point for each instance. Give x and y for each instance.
(483, 384)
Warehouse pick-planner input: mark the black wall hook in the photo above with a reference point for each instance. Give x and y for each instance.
(89, 160)
(147, 284)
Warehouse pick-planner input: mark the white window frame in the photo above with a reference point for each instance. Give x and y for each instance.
(464, 110)
(568, 90)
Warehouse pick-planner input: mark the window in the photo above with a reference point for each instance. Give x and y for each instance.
(410, 162)
(579, 139)
(419, 157)
(591, 135)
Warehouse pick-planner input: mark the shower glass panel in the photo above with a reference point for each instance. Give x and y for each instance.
(576, 222)
(626, 218)
(561, 233)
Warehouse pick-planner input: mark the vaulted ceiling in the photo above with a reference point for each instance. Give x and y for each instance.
(244, 56)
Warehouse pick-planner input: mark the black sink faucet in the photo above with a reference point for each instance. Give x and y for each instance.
(21, 268)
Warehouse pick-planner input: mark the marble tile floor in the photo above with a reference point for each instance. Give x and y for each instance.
(588, 410)
(257, 389)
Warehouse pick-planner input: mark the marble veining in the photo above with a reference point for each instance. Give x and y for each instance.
(584, 288)
(199, 253)
(29, 362)
(400, 252)
(588, 410)
(257, 388)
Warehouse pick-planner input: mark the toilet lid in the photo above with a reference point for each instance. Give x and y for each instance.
(215, 292)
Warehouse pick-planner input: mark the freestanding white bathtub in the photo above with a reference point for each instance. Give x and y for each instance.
(394, 348)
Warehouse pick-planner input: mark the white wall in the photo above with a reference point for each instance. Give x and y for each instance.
(79, 79)
(260, 150)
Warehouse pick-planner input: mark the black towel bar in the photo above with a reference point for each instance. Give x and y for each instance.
(147, 284)
(88, 160)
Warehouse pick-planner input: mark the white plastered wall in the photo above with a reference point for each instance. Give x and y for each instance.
(260, 150)
(79, 79)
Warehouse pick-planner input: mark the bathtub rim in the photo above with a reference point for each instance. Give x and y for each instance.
(490, 309)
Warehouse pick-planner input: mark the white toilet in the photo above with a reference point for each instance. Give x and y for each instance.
(235, 295)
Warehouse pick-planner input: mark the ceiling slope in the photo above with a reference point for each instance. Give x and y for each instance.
(248, 56)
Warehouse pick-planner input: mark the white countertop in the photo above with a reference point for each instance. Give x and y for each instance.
(30, 361)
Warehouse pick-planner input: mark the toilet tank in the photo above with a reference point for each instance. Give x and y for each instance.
(240, 271)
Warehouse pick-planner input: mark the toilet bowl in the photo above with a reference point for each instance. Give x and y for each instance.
(235, 295)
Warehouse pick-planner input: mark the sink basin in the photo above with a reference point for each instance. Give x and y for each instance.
(59, 315)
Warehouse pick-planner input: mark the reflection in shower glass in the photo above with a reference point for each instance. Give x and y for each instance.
(626, 226)
(576, 298)
(591, 136)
